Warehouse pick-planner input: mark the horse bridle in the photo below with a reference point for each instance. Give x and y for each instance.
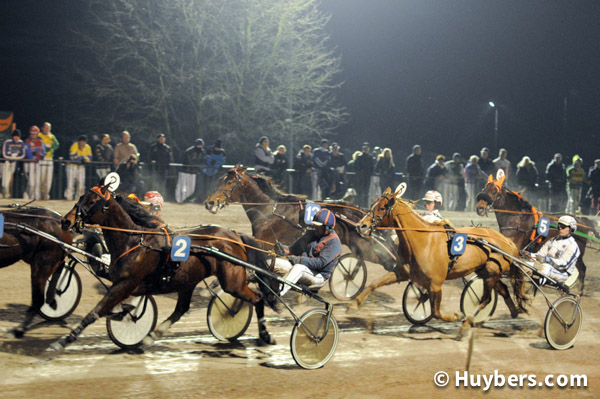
(487, 198)
(83, 215)
(228, 194)
(375, 219)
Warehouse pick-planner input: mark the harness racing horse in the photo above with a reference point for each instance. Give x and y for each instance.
(425, 247)
(276, 216)
(518, 219)
(43, 256)
(139, 244)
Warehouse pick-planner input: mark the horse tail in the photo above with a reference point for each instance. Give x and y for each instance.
(260, 259)
(519, 283)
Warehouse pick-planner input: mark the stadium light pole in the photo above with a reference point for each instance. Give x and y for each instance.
(493, 105)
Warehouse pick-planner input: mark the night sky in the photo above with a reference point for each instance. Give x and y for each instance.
(415, 72)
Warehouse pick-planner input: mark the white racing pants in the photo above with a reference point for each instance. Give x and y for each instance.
(296, 274)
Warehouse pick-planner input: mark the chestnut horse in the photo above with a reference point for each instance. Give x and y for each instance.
(140, 247)
(518, 219)
(425, 247)
(43, 256)
(276, 216)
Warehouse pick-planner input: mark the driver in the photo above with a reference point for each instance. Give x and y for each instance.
(433, 202)
(312, 265)
(155, 200)
(558, 256)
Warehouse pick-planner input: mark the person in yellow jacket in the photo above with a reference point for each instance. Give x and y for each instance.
(80, 153)
(51, 144)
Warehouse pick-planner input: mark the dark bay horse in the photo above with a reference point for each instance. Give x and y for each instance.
(518, 219)
(277, 216)
(43, 256)
(139, 245)
(425, 247)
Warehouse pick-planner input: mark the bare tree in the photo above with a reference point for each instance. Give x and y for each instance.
(234, 69)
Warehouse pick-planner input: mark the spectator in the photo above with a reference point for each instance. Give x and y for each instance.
(594, 178)
(80, 153)
(320, 171)
(416, 173)
(502, 163)
(485, 163)
(34, 153)
(124, 149)
(280, 165)
(303, 166)
(12, 151)
(375, 181)
(215, 158)
(436, 174)
(188, 177)
(129, 172)
(364, 166)
(473, 178)
(385, 167)
(338, 167)
(104, 153)
(454, 183)
(557, 179)
(263, 158)
(527, 176)
(575, 178)
(351, 168)
(160, 159)
(51, 144)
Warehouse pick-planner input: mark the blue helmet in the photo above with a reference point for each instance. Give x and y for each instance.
(324, 217)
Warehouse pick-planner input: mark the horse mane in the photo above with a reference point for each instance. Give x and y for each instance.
(272, 191)
(521, 201)
(138, 214)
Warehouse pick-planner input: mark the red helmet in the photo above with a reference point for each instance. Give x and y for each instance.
(155, 198)
(34, 129)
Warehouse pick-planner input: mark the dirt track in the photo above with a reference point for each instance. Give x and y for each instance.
(379, 354)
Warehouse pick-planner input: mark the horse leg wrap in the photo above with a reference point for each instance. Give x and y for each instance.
(264, 336)
(89, 319)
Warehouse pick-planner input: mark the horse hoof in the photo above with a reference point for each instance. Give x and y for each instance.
(148, 341)
(266, 339)
(16, 333)
(57, 346)
(352, 307)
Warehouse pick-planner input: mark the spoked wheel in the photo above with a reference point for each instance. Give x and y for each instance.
(348, 277)
(132, 320)
(67, 294)
(314, 339)
(228, 317)
(416, 304)
(471, 298)
(563, 323)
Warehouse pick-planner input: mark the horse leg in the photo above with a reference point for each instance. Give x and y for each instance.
(184, 298)
(582, 269)
(115, 295)
(264, 338)
(503, 291)
(435, 290)
(398, 274)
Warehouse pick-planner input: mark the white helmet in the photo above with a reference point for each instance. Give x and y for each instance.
(433, 196)
(568, 221)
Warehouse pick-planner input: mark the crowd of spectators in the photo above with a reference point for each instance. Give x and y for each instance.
(323, 172)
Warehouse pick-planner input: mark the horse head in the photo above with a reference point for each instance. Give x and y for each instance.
(226, 191)
(88, 208)
(380, 210)
(490, 193)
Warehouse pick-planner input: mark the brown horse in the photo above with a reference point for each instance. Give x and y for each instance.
(140, 250)
(276, 216)
(518, 219)
(44, 256)
(425, 246)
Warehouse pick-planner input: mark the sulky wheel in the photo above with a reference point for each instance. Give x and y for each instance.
(416, 304)
(66, 294)
(471, 298)
(348, 277)
(228, 317)
(563, 323)
(132, 320)
(312, 346)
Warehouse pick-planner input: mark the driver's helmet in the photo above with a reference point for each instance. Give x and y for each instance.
(324, 217)
(155, 198)
(568, 221)
(433, 196)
